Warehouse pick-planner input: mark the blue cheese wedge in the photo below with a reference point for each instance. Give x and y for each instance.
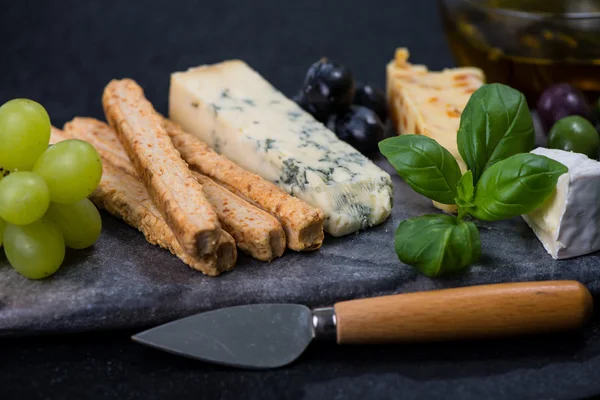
(243, 117)
(568, 223)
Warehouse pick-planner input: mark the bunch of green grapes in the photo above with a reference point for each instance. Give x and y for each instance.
(43, 191)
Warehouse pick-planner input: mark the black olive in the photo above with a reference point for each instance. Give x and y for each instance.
(301, 100)
(372, 98)
(359, 127)
(328, 87)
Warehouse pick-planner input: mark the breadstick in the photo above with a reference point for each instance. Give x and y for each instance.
(104, 139)
(255, 231)
(302, 223)
(175, 192)
(57, 135)
(126, 197)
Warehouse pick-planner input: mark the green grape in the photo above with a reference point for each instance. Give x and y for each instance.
(24, 198)
(2, 227)
(72, 169)
(35, 250)
(80, 223)
(24, 134)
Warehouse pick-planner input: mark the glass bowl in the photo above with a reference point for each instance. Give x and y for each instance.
(527, 44)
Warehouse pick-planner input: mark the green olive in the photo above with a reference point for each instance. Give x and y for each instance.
(574, 134)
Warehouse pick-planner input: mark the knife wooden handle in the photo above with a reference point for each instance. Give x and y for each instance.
(465, 313)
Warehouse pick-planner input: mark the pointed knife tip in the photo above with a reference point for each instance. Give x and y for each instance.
(144, 339)
(138, 338)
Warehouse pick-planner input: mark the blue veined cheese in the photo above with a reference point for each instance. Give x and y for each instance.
(243, 117)
(568, 223)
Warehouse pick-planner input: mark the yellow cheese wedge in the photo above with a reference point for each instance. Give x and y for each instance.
(430, 103)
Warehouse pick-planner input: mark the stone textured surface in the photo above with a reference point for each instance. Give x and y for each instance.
(124, 282)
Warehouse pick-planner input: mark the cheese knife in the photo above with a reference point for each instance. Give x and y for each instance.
(262, 336)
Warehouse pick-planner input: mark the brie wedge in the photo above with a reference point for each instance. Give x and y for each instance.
(568, 223)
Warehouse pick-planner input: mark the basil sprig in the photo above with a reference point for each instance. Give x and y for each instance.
(503, 181)
(495, 125)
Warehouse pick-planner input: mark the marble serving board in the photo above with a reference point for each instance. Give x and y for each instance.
(125, 282)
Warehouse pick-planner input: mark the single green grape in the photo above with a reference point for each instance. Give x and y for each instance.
(2, 227)
(24, 134)
(79, 223)
(576, 134)
(36, 250)
(24, 198)
(71, 168)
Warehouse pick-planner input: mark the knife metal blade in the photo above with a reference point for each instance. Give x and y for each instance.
(250, 336)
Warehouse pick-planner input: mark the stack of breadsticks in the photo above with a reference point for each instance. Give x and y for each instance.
(182, 195)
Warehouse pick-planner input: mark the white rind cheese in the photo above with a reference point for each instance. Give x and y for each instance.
(243, 117)
(568, 224)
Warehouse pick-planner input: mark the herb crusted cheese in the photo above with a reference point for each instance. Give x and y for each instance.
(242, 116)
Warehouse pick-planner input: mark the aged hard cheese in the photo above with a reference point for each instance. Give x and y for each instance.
(240, 115)
(568, 224)
(430, 103)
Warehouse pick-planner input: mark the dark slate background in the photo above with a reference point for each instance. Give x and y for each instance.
(62, 53)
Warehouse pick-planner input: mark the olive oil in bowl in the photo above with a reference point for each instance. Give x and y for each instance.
(528, 44)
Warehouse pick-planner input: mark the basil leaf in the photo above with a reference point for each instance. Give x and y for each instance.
(437, 243)
(495, 124)
(515, 186)
(465, 190)
(426, 166)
